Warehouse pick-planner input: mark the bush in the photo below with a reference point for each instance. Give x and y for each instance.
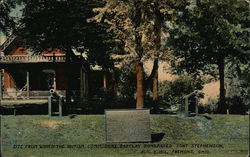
(236, 105)
(97, 106)
(171, 92)
(210, 106)
(127, 81)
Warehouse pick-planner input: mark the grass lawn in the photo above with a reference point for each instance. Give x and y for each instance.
(84, 136)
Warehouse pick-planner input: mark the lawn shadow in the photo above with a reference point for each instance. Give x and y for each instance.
(207, 117)
(72, 116)
(25, 109)
(157, 137)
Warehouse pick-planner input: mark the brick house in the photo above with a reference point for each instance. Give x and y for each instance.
(26, 75)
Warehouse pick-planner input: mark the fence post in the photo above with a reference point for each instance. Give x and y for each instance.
(186, 106)
(49, 105)
(28, 84)
(60, 106)
(1, 85)
(196, 106)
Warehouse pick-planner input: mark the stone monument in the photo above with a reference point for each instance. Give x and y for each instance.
(127, 125)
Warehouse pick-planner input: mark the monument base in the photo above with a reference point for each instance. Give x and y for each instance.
(128, 125)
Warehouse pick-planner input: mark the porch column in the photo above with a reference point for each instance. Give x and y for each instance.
(87, 84)
(28, 84)
(104, 81)
(84, 83)
(81, 83)
(1, 85)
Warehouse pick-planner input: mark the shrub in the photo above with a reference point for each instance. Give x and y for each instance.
(171, 92)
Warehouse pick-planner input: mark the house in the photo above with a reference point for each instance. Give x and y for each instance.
(28, 75)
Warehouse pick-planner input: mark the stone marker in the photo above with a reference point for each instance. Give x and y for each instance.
(127, 125)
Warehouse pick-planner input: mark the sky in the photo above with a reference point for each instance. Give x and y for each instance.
(14, 13)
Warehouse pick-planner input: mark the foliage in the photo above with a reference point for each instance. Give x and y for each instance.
(127, 85)
(139, 25)
(100, 44)
(208, 32)
(7, 22)
(127, 81)
(210, 106)
(171, 92)
(62, 24)
(238, 86)
(236, 105)
(134, 23)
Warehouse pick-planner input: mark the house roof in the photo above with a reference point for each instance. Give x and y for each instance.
(14, 45)
(7, 43)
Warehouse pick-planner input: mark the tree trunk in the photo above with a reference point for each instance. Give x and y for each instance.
(139, 87)
(139, 16)
(157, 31)
(69, 54)
(221, 105)
(155, 80)
(105, 81)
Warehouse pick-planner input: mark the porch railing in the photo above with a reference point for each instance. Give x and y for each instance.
(35, 94)
(23, 95)
(32, 59)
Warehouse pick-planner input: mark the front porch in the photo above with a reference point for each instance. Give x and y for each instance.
(34, 81)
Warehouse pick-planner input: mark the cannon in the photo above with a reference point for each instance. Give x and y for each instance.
(55, 99)
(54, 94)
(185, 106)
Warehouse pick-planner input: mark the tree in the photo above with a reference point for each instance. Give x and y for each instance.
(127, 81)
(207, 33)
(62, 24)
(238, 85)
(139, 25)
